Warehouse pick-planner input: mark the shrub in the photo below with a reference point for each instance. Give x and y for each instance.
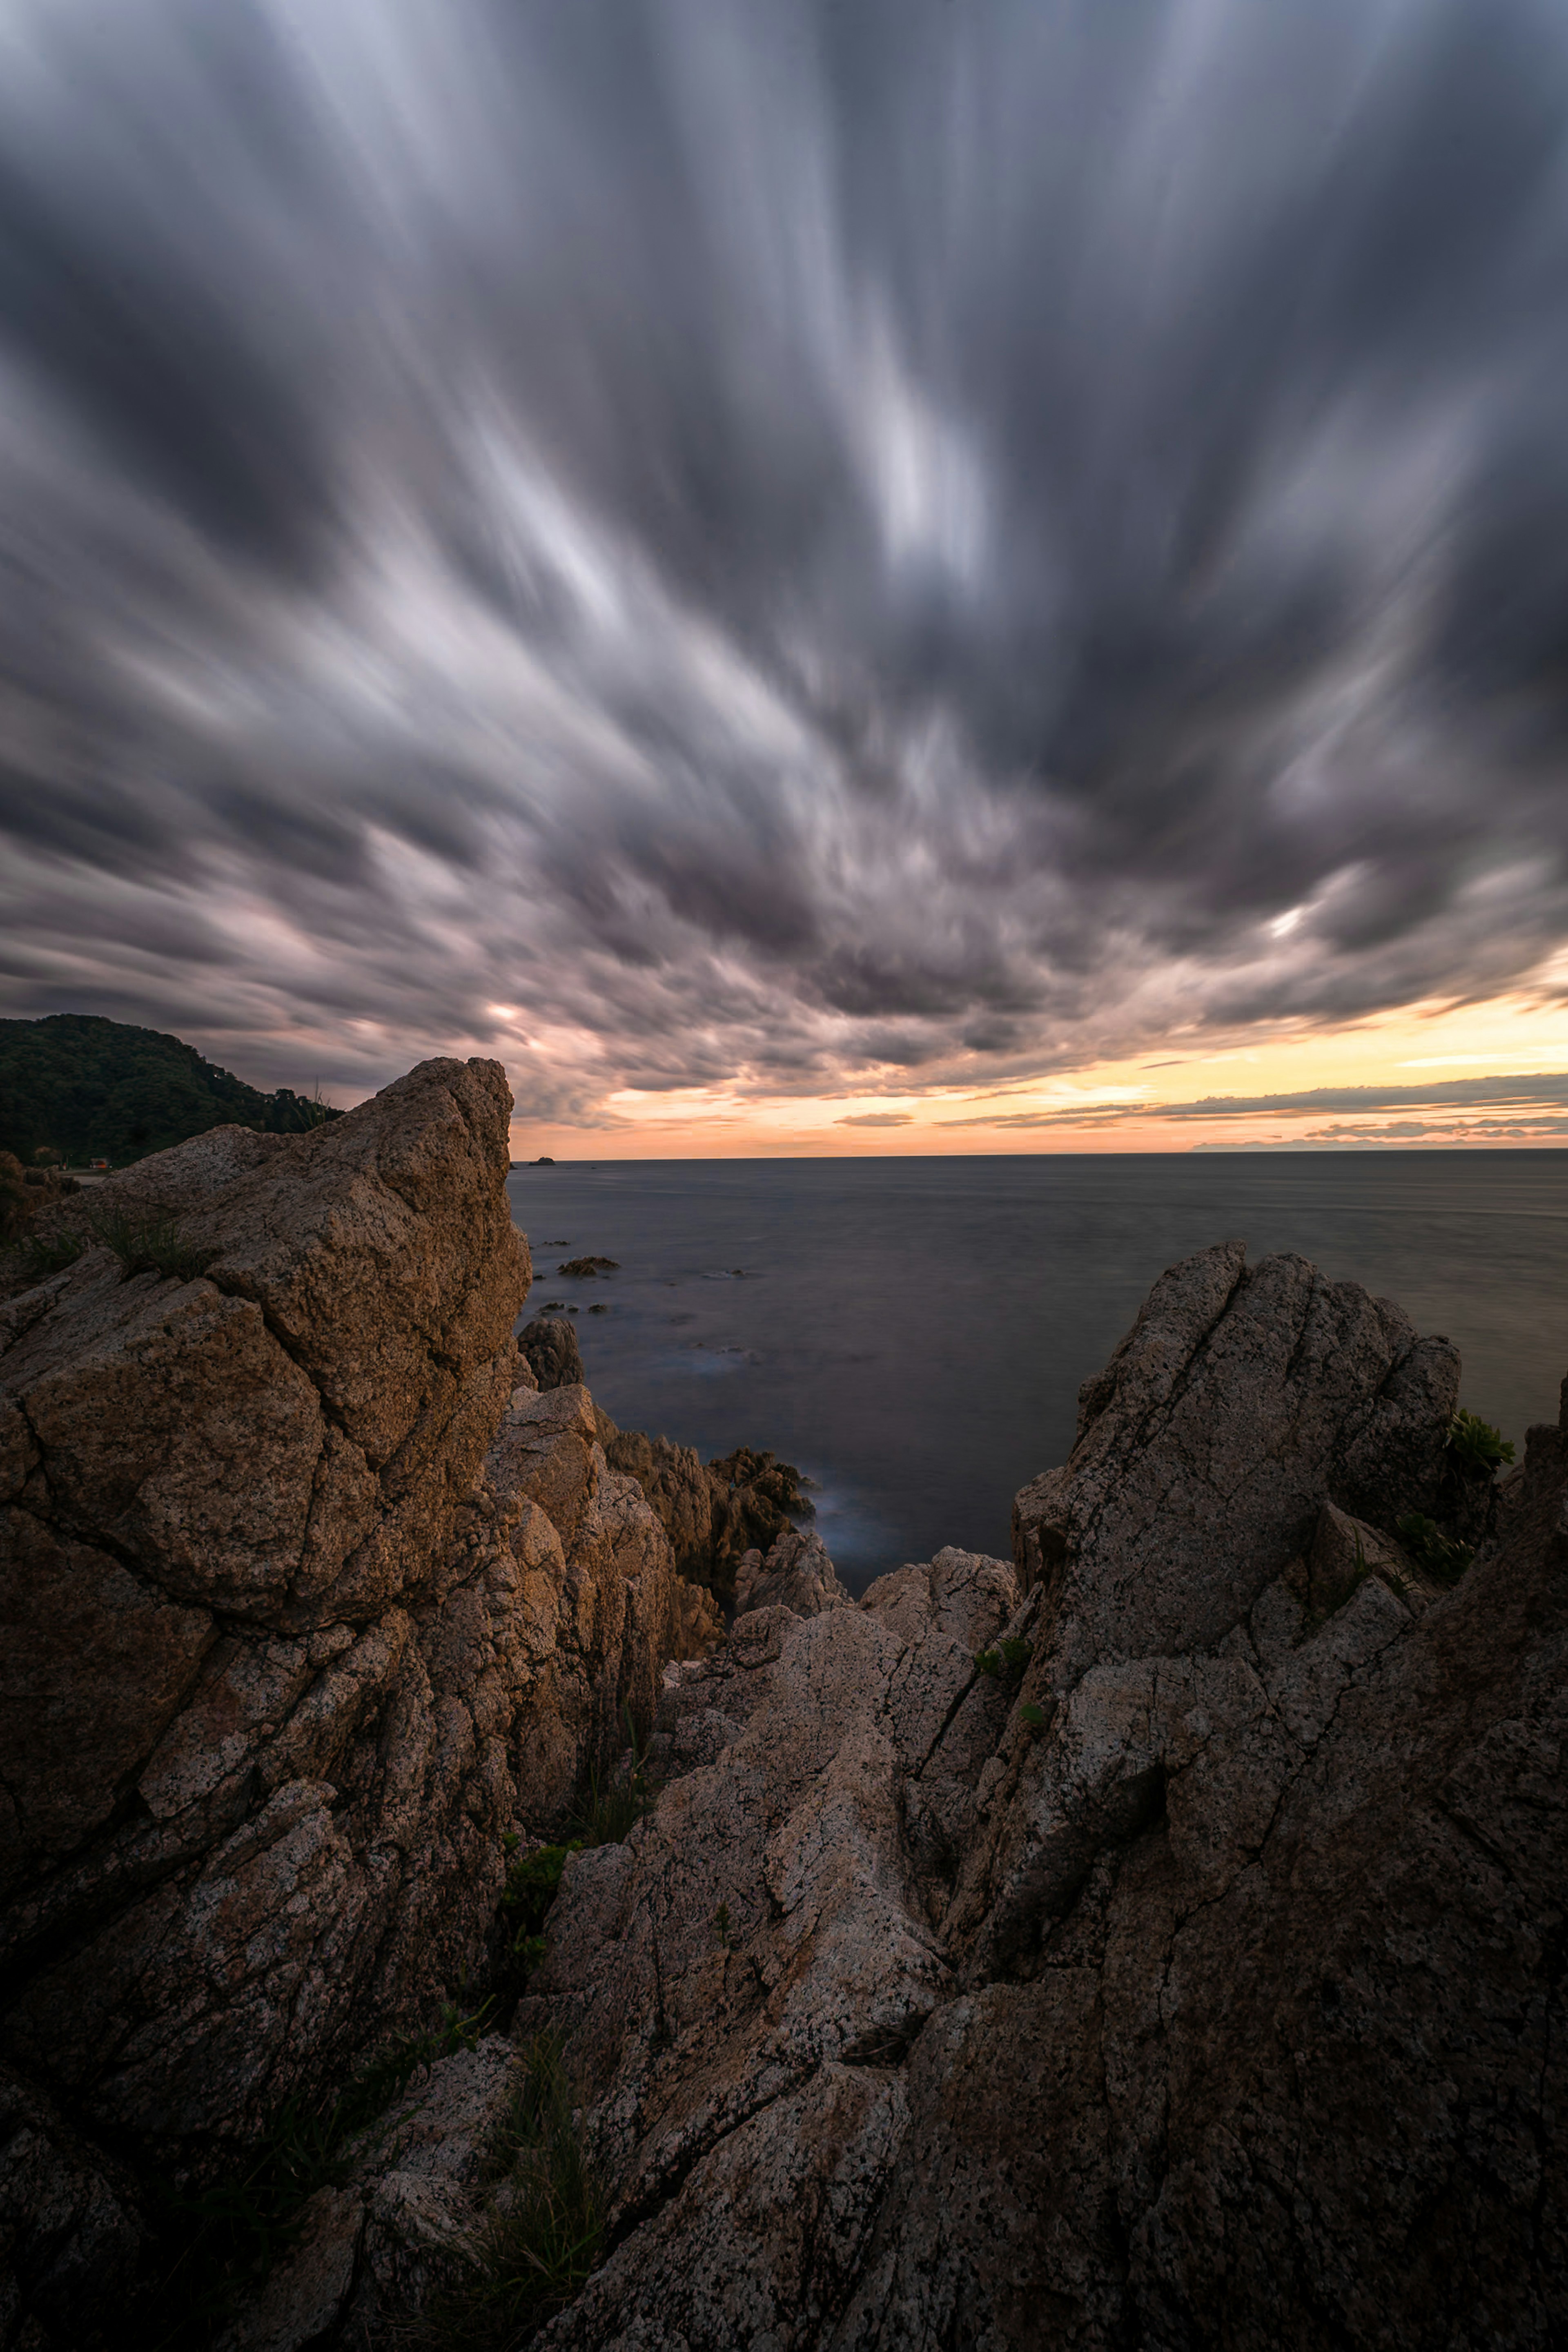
(1430, 1548)
(1475, 1447)
(1007, 1662)
(533, 1883)
(531, 1886)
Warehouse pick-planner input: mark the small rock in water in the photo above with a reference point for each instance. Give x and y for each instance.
(585, 1268)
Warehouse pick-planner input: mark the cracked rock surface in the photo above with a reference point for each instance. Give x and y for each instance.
(1192, 1976)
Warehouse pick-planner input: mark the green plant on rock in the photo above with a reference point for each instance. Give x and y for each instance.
(541, 2242)
(531, 1886)
(1007, 1662)
(1475, 1447)
(1430, 1548)
(532, 1883)
(721, 1927)
(149, 1244)
(1032, 1717)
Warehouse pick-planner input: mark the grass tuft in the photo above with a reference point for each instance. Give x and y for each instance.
(541, 2242)
(616, 1802)
(149, 1244)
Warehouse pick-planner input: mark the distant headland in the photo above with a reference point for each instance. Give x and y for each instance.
(75, 1087)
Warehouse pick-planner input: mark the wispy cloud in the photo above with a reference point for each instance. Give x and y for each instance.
(1488, 1093)
(1462, 1100)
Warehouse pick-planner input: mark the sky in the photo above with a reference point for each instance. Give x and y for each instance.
(814, 575)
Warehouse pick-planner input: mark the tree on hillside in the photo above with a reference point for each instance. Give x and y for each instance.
(90, 1088)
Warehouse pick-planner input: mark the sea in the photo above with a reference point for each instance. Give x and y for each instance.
(911, 1333)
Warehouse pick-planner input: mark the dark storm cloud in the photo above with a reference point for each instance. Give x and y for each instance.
(739, 540)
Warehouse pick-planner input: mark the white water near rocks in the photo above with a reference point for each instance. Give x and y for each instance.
(912, 1332)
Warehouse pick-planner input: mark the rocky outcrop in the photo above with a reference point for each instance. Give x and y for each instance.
(714, 1513)
(797, 1574)
(1239, 1399)
(305, 1604)
(548, 1345)
(676, 1487)
(1161, 1946)
(1154, 1940)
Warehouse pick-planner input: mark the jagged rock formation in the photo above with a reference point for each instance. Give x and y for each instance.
(676, 1486)
(1202, 1982)
(301, 1609)
(796, 1574)
(714, 1513)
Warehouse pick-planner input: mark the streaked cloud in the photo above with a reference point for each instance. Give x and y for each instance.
(776, 549)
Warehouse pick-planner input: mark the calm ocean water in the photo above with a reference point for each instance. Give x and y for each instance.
(912, 1332)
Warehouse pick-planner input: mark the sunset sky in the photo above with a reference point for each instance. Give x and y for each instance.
(816, 575)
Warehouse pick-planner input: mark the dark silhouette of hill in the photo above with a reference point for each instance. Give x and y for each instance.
(87, 1088)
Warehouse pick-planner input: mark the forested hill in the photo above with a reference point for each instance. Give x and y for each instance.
(88, 1088)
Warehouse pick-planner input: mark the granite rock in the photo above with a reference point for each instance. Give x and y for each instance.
(1241, 1400)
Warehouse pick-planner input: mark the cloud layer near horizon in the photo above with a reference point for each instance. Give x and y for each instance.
(798, 548)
